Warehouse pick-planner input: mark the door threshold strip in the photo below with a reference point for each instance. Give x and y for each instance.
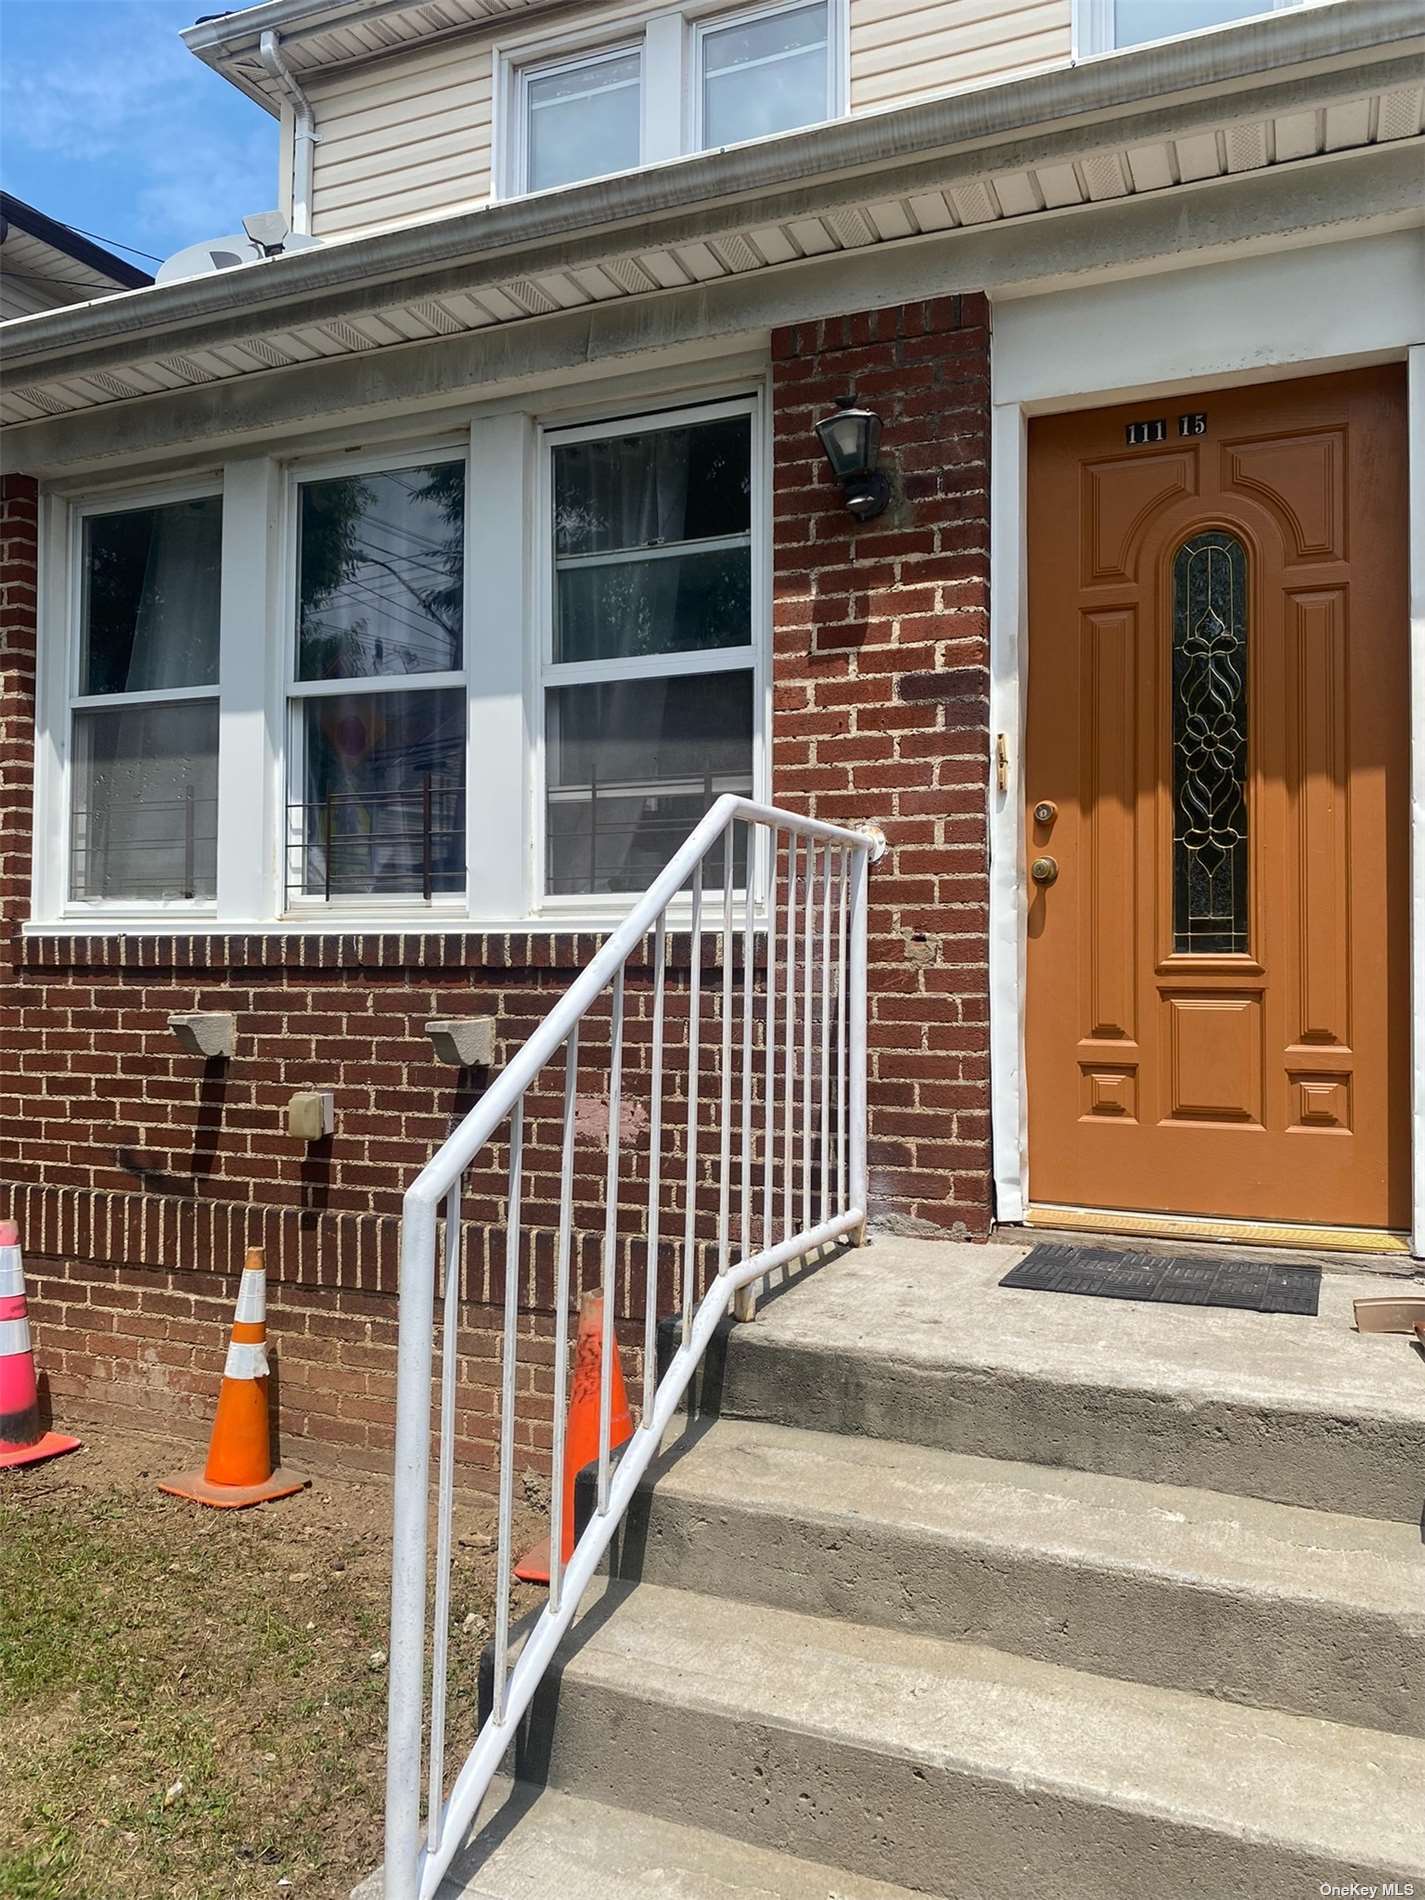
(1249, 1233)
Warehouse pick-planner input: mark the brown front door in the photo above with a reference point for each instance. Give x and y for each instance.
(1217, 770)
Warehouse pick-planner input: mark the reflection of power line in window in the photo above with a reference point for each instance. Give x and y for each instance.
(360, 641)
(399, 555)
(393, 613)
(397, 610)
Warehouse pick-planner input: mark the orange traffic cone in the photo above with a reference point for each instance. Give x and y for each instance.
(21, 1440)
(581, 1437)
(239, 1469)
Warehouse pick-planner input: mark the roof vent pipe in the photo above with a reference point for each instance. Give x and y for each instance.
(304, 130)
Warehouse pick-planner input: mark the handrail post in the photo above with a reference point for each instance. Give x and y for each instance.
(860, 883)
(410, 1481)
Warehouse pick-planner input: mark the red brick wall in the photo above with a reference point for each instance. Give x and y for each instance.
(140, 1174)
(18, 581)
(881, 690)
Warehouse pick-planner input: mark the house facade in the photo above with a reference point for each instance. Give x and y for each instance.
(379, 616)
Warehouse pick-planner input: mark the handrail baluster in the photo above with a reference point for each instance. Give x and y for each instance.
(419, 1855)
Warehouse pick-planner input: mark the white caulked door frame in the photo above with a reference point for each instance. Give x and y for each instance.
(1270, 315)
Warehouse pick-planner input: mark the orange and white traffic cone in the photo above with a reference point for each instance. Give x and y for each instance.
(581, 1437)
(239, 1468)
(21, 1440)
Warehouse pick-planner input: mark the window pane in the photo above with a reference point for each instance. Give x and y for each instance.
(680, 603)
(384, 803)
(582, 122)
(1210, 745)
(639, 491)
(631, 766)
(765, 76)
(659, 490)
(151, 578)
(381, 574)
(1139, 20)
(145, 816)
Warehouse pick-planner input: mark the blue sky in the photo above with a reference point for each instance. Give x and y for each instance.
(109, 123)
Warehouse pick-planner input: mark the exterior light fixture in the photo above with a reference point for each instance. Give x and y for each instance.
(852, 440)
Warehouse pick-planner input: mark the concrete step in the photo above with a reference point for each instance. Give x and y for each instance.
(536, 1843)
(1253, 1602)
(953, 1769)
(916, 1341)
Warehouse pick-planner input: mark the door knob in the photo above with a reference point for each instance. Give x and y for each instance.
(1044, 870)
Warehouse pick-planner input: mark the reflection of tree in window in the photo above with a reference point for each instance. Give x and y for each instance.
(381, 595)
(382, 566)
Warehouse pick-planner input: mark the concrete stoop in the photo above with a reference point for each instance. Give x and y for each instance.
(946, 1589)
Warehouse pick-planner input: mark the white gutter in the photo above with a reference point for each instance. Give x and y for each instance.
(304, 131)
(697, 190)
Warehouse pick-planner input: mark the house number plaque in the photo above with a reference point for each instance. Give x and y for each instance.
(1140, 432)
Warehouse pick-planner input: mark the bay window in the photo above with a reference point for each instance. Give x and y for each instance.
(492, 677)
(376, 730)
(143, 707)
(649, 675)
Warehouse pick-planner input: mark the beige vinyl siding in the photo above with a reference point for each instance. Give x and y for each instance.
(901, 50)
(409, 136)
(405, 138)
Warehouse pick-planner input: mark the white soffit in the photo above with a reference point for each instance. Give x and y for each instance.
(858, 215)
(338, 36)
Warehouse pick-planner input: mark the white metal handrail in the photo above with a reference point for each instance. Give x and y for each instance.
(416, 1855)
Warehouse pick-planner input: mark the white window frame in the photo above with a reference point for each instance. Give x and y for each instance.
(64, 682)
(508, 563)
(525, 75)
(669, 40)
(836, 60)
(1094, 29)
(751, 658)
(290, 760)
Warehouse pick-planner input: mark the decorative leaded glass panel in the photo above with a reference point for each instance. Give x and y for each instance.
(1210, 745)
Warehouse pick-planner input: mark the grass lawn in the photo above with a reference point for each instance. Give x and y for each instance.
(192, 1702)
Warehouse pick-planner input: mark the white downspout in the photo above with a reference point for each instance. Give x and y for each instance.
(304, 131)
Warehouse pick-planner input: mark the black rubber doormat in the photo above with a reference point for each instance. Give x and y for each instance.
(1108, 1273)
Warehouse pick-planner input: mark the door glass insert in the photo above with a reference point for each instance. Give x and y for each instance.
(1210, 745)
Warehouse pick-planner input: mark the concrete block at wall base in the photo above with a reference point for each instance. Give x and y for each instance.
(211, 1034)
(467, 1042)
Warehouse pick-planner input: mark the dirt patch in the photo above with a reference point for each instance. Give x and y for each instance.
(192, 1702)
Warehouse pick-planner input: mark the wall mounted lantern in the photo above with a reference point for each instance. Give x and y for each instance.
(852, 440)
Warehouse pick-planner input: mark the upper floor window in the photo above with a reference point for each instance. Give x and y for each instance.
(763, 73)
(1105, 24)
(582, 118)
(693, 80)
